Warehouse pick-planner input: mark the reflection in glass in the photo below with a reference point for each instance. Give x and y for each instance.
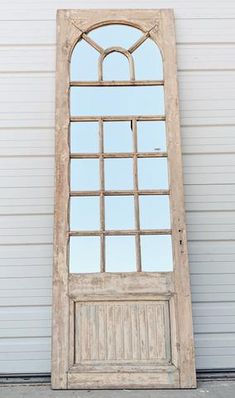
(135, 100)
(153, 173)
(144, 69)
(156, 253)
(117, 137)
(119, 212)
(118, 174)
(84, 62)
(151, 136)
(84, 174)
(84, 137)
(115, 35)
(116, 67)
(120, 254)
(154, 212)
(85, 213)
(84, 254)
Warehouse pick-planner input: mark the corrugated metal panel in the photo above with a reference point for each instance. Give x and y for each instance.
(206, 52)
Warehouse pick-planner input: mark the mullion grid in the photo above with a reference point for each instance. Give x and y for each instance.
(135, 193)
(136, 196)
(102, 204)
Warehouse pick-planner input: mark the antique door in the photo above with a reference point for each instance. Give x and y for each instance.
(121, 292)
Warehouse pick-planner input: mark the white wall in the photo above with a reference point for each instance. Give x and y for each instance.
(206, 53)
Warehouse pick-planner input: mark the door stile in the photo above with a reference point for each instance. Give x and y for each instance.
(183, 306)
(66, 34)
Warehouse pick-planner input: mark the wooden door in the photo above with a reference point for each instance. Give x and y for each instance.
(121, 291)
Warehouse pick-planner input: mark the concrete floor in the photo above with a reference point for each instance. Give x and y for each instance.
(208, 389)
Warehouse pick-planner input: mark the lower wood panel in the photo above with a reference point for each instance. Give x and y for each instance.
(167, 378)
(119, 333)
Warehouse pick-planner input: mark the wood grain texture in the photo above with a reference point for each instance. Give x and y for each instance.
(128, 333)
(121, 283)
(166, 377)
(60, 335)
(184, 335)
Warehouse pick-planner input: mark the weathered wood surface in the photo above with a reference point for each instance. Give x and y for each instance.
(104, 301)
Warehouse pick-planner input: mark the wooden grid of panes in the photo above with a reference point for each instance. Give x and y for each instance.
(101, 155)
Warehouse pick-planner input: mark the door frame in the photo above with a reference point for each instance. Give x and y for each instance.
(71, 24)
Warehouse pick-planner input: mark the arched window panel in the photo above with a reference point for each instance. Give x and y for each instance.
(116, 67)
(115, 35)
(148, 61)
(84, 61)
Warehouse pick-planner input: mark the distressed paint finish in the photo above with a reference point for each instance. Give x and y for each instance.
(126, 332)
(150, 307)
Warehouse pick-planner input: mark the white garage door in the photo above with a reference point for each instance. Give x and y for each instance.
(206, 53)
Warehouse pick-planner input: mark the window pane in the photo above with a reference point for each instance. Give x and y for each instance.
(84, 254)
(119, 212)
(153, 173)
(144, 100)
(84, 174)
(84, 137)
(156, 253)
(151, 136)
(118, 174)
(118, 137)
(145, 70)
(120, 254)
(154, 212)
(84, 62)
(116, 67)
(115, 35)
(85, 213)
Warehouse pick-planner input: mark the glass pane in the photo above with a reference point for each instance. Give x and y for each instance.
(145, 70)
(84, 137)
(144, 100)
(153, 173)
(118, 174)
(84, 174)
(84, 62)
(116, 67)
(115, 35)
(151, 136)
(154, 212)
(118, 137)
(84, 254)
(119, 212)
(156, 253)
(120, 254)
(85, 213)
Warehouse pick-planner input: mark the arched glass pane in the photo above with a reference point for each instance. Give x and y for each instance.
(115, 35)
(84, 62)
(148, 61)
(116, 67)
